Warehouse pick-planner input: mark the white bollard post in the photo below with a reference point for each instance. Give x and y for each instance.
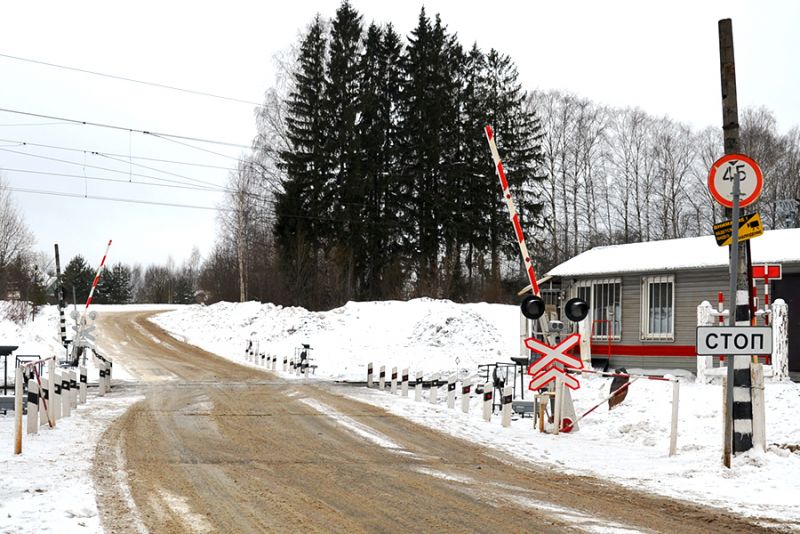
(488, 399)
(418, 387)
(404, 383)
(18, 410)
(274, 362)
(56, 395)
(393, 384)
(73, 389)
(101, 382)
(285, 363)
(506, 402)
(51, 374)
(369, 375)
(82, 385)
(433, 392)
(66, 403)
(673, 433)
(109, 367)
(559, 405)
(33, 406)
(44, 402)
(451, 391)
(297, 366)
(382, 378)
(466, 386)
(305, 368)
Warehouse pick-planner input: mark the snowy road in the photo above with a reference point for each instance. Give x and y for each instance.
(218, 447)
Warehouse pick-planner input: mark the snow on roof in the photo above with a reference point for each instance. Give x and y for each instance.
(775, 246)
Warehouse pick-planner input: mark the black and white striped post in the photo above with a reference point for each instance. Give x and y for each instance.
(418, 387)
(451, 391)
(82, 385)
(44, 395)
(73, 389)
(33, 406)
(285, 363)
(466, 386)
(382, 377)
(404, 383)
(393, 383)
(62, 321)
(433, 392)
(56, 395)
(274, 362)
(369, 375)
(101, 381)
(506, 405)
(488, 399)
(66, 403)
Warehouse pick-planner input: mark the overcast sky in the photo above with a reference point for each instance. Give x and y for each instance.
(662, 57)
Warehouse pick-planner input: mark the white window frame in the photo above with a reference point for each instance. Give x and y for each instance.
(645, 331)
(616, 333)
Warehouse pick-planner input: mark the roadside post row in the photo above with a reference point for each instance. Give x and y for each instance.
(52, 397)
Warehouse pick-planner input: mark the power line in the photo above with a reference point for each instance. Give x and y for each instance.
(125, 129)
(133, 80)
(112, 180)
(58, 147)
(59, 160)
(116, 199)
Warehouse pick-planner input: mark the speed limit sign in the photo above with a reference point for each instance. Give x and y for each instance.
(735, 167)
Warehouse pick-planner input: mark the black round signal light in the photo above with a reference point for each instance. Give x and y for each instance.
(576, 309)
(532, 307)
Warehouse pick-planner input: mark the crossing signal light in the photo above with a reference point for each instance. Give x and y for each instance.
(576, 309)
(532, 307)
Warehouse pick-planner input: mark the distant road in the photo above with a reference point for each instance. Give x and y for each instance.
(218, 447)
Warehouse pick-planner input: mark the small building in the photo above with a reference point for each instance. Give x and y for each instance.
(643, 297)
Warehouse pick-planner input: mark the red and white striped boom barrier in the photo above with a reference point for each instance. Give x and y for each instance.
(97, 278)
(512, 210)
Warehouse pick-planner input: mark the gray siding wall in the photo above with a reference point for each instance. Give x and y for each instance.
(691, 288)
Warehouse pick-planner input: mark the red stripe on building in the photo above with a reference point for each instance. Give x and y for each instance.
(600, 349)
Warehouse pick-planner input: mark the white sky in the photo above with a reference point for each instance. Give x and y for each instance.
(662, 57)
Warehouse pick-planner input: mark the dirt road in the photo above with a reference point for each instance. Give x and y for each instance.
(217, 447)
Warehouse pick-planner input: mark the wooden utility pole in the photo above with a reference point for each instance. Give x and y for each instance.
(738, 438)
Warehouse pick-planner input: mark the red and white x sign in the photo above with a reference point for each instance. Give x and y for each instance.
(543, 370)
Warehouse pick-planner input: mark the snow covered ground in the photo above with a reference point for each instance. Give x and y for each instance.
(629, 445)
(49, 489)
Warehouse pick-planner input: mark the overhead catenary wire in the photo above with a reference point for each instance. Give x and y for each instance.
(126, 129)
(132, 80)
(108, 169)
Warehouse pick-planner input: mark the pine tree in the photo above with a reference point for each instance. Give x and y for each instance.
(518, 136)
(120, 291)
(345, 189)
(303, 217)
(78, 275)
(380, 80)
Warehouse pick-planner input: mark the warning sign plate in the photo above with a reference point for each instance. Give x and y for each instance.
(749, 227)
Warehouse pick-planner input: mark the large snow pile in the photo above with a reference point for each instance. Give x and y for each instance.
(629, 444)
(423, 334)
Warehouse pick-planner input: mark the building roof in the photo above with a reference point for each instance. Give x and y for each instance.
(775, 246)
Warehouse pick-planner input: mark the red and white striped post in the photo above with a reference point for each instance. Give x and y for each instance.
(512, 210)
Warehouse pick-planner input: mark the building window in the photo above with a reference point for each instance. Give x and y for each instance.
(605, 307)
(658, 307)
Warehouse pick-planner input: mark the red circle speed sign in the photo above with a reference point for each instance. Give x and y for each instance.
(730, 167)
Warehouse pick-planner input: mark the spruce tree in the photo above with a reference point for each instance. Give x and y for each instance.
(345, 188)
(302, 212)
(78, 275)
